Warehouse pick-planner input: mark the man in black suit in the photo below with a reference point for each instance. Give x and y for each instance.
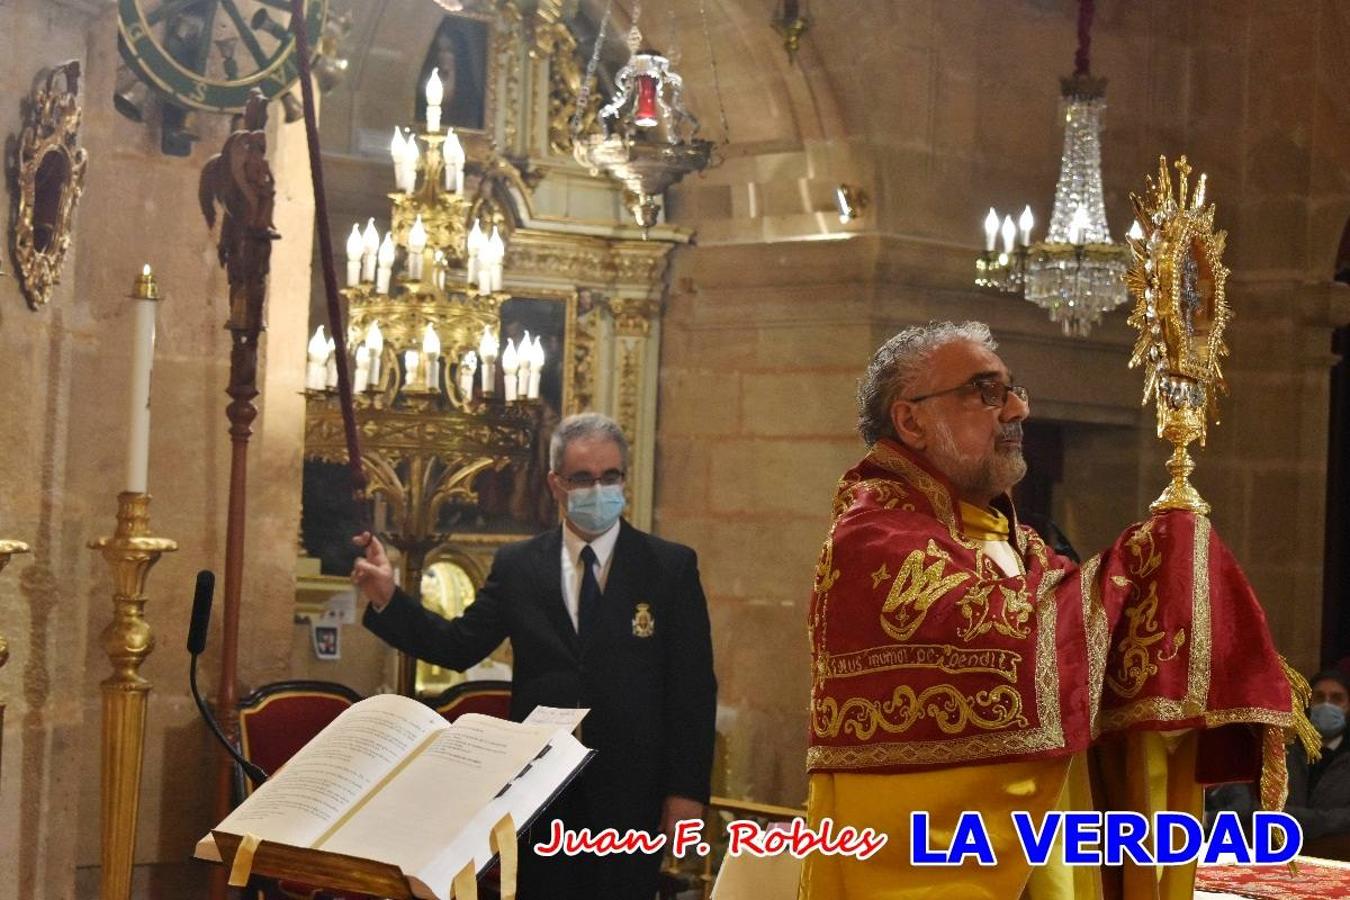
(600, 615)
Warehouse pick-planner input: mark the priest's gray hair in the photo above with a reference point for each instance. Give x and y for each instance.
(585, 426)
(897, 369)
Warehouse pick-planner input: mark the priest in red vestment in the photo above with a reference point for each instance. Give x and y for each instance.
(959, 664)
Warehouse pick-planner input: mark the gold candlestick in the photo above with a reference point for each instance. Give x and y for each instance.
(1177, 278)
(131, 552)
(7, 549)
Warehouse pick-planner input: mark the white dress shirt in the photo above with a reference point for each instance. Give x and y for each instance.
(571, 565)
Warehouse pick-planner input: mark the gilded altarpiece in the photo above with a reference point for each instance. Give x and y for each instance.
(569, 243)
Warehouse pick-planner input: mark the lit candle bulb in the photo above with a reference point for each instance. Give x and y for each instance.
(355, 249)
(497, 248)
(397, 150)
(412, 363)
(1024, 225)
(439, 263)
(362, 378)
(412, 158)
(487, 352)
(1009, 234)
(370, 249)
(375, 341)
(475, 247)
(316, 372)
(536, 367)
(417, 244)
(467, 366)
(510, 363)
(1136, 231)
(386, 260)
(330, 370)
(990, 230)
(454, 162)
(435, 93)
(146, 294)
(525, 361)
(1078, 226)
(431, 353)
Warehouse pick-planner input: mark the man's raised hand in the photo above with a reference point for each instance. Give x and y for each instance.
(372, 574)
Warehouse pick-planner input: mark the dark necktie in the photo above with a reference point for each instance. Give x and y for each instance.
(588, 607)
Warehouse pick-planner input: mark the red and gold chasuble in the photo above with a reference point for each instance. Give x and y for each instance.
(926, 654)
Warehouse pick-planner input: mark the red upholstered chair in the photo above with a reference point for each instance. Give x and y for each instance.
(491, 698)
(275, 721)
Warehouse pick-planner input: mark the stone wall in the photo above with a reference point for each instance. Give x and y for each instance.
(62, 446)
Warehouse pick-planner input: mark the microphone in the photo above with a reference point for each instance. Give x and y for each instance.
(201, 611)
(196, 643)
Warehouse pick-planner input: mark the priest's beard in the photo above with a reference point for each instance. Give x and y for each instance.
(976, 476)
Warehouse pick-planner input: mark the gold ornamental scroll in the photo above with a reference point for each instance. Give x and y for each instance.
(1177, 278)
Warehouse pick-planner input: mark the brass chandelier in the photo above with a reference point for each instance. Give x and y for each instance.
(438, 400)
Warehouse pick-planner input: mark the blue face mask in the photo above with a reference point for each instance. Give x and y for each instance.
(1328, 719)
(596, 508)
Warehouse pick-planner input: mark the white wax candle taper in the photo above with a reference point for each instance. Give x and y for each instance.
(146, 295)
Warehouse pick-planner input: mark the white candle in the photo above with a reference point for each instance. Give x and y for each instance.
(1136, 231)
(510, 363)
(435, 94)
(475, 247)
(330, 370)
(316, 371)
(990, 230)
(1024, 225)
(386, 261)
(362, 379)
(412, 158)
(525, 355)
(439, 263)
(467, 366)
(370, 248)
(431, 351)
(1009, 234)
(487, 352)
(497, 250)
(454, 162)
(146, 295)
(411, 365)
(375, 341)
(417, 243)
(355, 248)
(396, 150)
(536, 367)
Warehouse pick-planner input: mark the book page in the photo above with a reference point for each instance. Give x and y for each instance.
(428, 803)
(527, 794)
(333, 772)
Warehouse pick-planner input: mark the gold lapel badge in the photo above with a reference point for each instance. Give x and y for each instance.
(644, 623)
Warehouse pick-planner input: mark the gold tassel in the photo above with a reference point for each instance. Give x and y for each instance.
(1300, 696)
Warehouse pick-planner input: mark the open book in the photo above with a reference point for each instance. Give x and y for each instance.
(390, 799)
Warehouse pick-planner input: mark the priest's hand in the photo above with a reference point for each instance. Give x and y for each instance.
(675, 809)
(373, 574)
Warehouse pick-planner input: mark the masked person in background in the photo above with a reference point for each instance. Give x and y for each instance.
(600, 615)
(1319, 793)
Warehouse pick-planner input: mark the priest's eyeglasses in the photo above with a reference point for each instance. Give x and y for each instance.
(585, 479)
(993, 393)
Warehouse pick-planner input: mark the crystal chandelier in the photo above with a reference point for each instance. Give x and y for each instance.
(438, 400)
(646, 139)
(1076, 273)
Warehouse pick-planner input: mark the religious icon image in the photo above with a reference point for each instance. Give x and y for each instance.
(459, 55)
